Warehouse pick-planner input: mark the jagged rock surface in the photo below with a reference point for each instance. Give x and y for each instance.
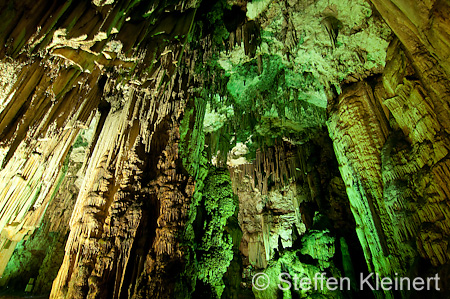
(173, 90)
(40, 256)
(130, 169)
(393, 155)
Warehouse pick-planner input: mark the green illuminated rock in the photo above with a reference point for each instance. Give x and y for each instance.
(174, 149)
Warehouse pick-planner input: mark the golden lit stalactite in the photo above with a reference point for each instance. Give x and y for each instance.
(259, 73)
(129, 190)
(34, 154)
(58, 91)
(422, 27)
(418, 155)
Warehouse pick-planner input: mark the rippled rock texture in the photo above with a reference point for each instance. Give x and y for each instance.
(173, 149)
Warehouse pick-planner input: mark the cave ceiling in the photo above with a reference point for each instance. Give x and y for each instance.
(177, 149)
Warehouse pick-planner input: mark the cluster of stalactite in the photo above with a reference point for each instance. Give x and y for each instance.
(96, 162)
(390, 135)
(82, 65)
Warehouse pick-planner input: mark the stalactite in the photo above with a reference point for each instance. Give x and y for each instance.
(152, 103)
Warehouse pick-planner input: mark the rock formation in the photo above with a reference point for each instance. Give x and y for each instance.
(176, 149)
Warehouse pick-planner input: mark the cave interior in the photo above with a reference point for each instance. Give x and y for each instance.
(225, 149)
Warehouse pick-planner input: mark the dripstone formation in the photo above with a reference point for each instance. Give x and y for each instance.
(176, 149)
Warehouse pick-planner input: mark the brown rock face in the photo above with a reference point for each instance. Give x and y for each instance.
(273, 212)
(133, 197)
(424, 120)
(422, 28)
(127, 218)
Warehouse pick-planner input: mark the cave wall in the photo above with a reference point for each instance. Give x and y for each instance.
(74, 72)
(398, 123)
(117, 115)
